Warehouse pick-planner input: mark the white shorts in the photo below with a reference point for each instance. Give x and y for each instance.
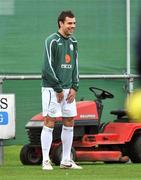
(52, 108)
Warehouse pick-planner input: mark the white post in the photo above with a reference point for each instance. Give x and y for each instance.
(130, 80)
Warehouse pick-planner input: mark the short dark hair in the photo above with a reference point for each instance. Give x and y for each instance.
(63, 15)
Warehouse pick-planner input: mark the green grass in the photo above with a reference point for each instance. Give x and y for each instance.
(14, 170)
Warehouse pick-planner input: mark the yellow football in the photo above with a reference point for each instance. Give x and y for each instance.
(133, 106)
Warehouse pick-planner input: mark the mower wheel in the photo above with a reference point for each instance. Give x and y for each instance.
(57, 154)
(30, 155)
(135, 149)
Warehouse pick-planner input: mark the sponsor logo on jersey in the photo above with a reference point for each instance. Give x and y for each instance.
(66, 66)
(67, 58)
(67, 61)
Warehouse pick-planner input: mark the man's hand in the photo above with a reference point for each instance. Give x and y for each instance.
(60, 96)
(71, 96)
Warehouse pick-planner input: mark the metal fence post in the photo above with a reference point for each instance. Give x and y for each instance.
(1, 152)
(1, 141)
(1, 82)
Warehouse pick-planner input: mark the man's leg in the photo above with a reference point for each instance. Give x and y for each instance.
(46, 141)
(67, 139)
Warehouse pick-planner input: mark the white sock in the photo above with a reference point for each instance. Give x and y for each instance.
(46, 140)
(67, 139)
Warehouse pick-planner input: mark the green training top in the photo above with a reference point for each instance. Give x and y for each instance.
(60, 65)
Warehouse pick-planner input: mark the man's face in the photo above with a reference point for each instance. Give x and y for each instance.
(68, 26)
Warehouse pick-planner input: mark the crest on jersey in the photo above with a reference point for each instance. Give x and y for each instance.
(71, 47)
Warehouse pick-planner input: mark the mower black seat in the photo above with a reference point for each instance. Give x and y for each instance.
(119, 113)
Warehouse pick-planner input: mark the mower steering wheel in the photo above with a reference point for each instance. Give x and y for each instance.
(100, 93)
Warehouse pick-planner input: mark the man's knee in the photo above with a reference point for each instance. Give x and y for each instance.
(68, 122)
(49, 122)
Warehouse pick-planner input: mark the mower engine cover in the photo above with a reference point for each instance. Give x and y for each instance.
(87, 114)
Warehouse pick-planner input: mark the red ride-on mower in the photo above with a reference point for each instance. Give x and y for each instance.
(93, 140)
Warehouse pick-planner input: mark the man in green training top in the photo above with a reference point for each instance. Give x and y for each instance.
(60, 80)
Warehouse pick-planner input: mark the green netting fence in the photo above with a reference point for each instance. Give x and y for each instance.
(102, 36)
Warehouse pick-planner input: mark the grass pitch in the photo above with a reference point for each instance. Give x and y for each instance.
(14, 170)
